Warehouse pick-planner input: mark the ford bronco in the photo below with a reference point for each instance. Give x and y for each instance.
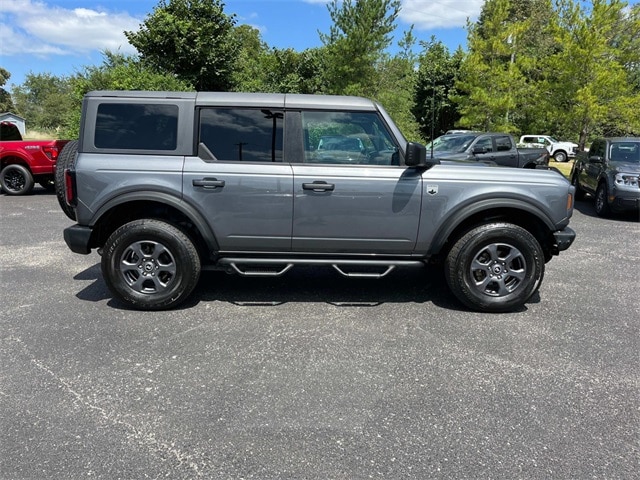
(166, 184)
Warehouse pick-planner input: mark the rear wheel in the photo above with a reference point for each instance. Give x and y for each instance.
(150, 265)
(66, 159)
(495, 267)
(16, 179)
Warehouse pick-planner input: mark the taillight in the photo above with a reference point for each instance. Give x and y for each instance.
(51, 152)
(70, 193)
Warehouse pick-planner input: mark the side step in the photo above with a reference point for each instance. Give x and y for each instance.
(274, 267)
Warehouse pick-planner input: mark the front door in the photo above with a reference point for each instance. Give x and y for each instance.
(350, 194)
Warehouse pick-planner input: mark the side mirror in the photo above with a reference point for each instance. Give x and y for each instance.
(416, 155)
(477, 150)
(596, 159)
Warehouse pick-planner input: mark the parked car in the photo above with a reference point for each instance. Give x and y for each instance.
(560, 151)
(23, 163)
(494, 148)
(165, 184)
(610, 171)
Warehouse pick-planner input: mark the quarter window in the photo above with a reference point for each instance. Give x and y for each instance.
(126, 126)
(242, 135)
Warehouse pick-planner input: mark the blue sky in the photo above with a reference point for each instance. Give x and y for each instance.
(62, 36)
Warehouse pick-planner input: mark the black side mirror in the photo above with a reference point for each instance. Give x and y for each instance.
(477, 150)
(416, 155)
(596, 159)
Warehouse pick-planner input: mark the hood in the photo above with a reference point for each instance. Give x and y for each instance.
(625, 167)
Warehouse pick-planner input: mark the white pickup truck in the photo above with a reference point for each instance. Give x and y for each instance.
(560, 151)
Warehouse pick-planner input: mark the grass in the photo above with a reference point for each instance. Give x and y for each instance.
(565, 167)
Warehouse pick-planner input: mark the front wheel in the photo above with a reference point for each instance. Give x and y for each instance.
(495, 267)
(150, 265)
(576, 183)
(602, 202)
(16, 179)
(560, 157)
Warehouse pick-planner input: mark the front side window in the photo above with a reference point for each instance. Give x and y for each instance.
(242, 134)
(125, 126)
(347, 138)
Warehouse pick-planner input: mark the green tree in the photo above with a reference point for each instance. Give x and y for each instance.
(43, 99)
(594, 83)
(437, 72)
(397, 82)
(261, 69)
(192, 39)
(355, 43)
(117, 72)
(6, 104)
(491, 81)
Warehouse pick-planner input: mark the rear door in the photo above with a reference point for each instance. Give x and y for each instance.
(350, 193)
(238, 180)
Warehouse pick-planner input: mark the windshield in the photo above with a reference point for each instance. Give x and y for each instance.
(452, 143)
(553, 140)
(628, 152)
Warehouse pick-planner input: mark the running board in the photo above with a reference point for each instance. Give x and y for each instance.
(274, 267)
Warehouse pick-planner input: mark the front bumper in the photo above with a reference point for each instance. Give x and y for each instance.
(77, 238)
(564, 238)
(623, 200)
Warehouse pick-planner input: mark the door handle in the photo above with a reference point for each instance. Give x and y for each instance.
(209, 183)
(319, 186)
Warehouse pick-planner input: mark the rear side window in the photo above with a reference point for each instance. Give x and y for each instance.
(242, 134)
(126, 126)
(503, 144)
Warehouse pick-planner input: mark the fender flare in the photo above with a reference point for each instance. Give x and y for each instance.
(163, 198)
(468, 210)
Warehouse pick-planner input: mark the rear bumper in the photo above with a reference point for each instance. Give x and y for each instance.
(77, 238)
(564, 238)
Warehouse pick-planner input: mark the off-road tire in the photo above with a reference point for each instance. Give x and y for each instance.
(150, 265)
(66, 159)
(495, 267)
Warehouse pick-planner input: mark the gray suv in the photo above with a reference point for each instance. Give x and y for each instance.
(165, 184)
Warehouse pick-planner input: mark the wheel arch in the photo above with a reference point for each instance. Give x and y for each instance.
(512, 211)
(157, 205)
(14, 159)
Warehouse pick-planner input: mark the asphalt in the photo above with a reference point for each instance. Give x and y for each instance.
(313, 376)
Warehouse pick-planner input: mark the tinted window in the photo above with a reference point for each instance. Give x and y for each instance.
(236, 134)
(136, 127)
(347, 138)
(485, 143)
(503, 143)
(8, 131)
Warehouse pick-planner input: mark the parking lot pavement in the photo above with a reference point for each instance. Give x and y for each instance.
(315, 376)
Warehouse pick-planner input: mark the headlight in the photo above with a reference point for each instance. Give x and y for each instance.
(627, 180)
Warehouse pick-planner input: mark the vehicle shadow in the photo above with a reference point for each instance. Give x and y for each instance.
(301, 284)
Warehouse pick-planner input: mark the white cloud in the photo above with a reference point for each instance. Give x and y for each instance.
(429, 14)
(33, 27)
